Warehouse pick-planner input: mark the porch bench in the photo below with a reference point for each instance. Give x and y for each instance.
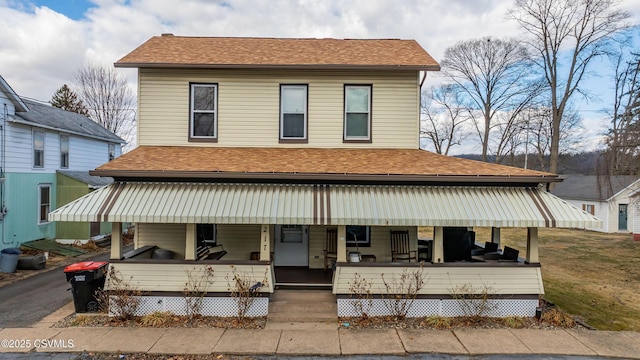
(135, 252)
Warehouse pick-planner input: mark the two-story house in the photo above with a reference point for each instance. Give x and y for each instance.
(304, 154)
(36, 141)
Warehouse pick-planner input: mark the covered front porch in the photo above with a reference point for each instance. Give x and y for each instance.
(262, 226)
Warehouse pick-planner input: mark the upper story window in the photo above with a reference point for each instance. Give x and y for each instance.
(203, 112)
(64, 152)
(293, 112)
(44, 202)
(38, 149)
(357, 113)
(112, 151)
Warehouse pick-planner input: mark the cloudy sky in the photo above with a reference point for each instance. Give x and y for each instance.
(42, 43)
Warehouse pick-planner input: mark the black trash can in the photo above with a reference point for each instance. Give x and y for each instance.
(86, 278)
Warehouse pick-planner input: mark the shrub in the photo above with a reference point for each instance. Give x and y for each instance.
(195, 289)
(402, 291)
(244, 289)
(122, 300)
(473, 300)
(360, 293)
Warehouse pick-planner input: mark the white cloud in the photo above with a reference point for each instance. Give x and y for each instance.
(41, 49)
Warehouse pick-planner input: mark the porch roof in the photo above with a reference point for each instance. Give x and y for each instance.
(381, 205)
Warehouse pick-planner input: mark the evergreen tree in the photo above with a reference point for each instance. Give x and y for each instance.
(64, 98)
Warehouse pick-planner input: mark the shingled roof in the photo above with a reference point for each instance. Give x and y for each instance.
(593, 187)
(50, 117)
(310, 163)
(233, 52)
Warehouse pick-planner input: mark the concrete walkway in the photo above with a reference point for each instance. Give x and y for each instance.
(327, 341)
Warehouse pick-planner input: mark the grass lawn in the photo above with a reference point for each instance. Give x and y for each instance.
(590, 274)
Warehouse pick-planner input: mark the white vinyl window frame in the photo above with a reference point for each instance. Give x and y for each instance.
(111, 149)
(350, 113)
(44, 203)
(289, 108)
(64, 151)
(38, 149)
(195, 111)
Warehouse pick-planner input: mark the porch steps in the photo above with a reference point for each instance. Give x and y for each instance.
(302, 306)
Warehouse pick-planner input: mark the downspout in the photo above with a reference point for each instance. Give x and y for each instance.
(3, 209)
(424, 77)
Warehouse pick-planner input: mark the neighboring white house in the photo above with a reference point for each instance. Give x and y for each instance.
(609, 198)
(36, 140)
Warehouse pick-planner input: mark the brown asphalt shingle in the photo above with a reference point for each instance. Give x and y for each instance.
(169, 50)
(306, 161)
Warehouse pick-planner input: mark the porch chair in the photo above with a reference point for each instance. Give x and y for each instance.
(330, 247)
(401, 246)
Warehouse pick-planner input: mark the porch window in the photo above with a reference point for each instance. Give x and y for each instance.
(64, 152)
(357, 112)
(358, 235)
(291, 234)
(203, 113)
(38, 149)
(44, 202)
(207, 234)
(293, 112)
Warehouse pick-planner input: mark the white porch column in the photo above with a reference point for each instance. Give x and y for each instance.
(342, 244)
(495, 235)
(532, 245)
(438, 245)
(116, 240)
(265, 243)
(190, 242)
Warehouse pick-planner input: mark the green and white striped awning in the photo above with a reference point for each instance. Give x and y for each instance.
(381, 205)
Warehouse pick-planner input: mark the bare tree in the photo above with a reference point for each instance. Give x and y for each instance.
(623, 139)
(578, 30)
(507, 140)
(495, 76)
(107, 97)
(443, 117)
(539, 122)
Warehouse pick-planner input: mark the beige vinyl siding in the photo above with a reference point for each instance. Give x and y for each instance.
(239, 240)
(380, 245)
(173, 277)
(440, 280)
(165, 236)
(248, 107)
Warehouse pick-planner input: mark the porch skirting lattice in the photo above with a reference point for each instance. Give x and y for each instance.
(444, 307)
(211, 306)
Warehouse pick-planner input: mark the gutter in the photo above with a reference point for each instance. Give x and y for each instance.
(275, 66)
(502, 179)
(15, 119)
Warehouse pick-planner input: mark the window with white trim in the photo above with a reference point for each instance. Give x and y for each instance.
(590, 208)
(293, 112)
(357, 112)
(64, 152)
(38, 149)
(112, 151)
(44, 202)
(203, 112)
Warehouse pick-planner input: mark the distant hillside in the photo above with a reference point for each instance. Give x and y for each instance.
(582, 163)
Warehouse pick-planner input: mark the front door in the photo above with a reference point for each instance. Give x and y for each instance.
(622, 217)
(291, 245)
